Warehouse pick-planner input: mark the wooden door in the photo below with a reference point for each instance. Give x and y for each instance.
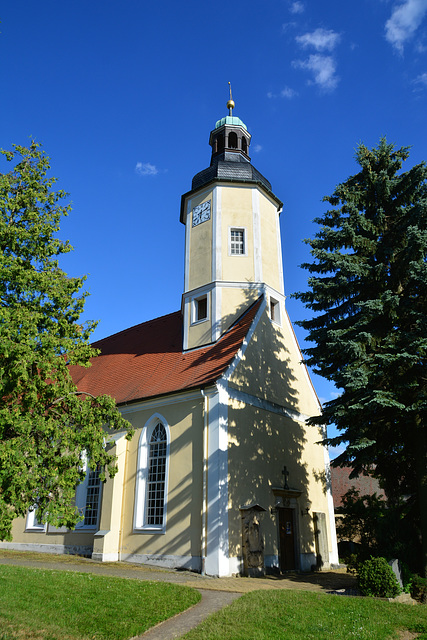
(287, 540)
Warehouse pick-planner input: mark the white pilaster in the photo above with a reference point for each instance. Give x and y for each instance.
(217, 563)
(257, 236)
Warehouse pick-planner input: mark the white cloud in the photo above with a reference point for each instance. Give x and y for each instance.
(320, 39)
(288, 93)
(421, 79)
(146, 169)
(334, 452)
(287, 26)
(323, 69)
(297, 7)
(256, 148)
(404, 21)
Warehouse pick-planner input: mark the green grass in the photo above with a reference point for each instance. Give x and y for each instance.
(299, 615)
(37, 604)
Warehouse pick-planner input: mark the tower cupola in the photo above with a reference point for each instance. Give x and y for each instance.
(230, 139)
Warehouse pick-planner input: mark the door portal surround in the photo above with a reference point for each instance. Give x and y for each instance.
(288, 543)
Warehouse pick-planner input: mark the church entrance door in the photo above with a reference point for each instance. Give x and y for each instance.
(287, 540)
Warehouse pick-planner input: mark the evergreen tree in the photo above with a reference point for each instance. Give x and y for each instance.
(46, 426)
(368, 289)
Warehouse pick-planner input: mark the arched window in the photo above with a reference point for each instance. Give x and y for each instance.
(232, 140)
(152, 476)
(244, 145)
(156, 476)
(220, 142)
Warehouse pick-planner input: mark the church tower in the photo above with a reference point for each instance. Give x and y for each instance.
(232, 239)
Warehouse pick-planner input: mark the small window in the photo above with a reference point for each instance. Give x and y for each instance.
(32, 523)
(275, 310)
(237, 242)
(200, 309)
(244, 145)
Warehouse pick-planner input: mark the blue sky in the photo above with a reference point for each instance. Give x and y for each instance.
(123, 96)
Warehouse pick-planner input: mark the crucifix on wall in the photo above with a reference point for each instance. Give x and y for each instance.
(285, 474)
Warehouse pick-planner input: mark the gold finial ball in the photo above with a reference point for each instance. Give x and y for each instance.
(230, 104)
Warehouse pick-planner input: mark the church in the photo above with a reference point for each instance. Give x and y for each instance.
(223, 475)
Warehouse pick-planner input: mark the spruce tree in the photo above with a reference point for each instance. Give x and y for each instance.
(368, 292)
(46, 426)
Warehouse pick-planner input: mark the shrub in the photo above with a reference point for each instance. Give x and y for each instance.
(376, 578)
(419, 589)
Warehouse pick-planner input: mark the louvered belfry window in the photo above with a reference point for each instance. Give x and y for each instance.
(156, 476)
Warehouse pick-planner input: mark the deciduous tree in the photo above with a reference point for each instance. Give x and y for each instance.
(46, 426)
(368, 291)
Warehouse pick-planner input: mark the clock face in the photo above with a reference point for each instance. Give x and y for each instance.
(201, 213)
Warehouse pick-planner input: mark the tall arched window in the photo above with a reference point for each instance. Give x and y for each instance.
(156, 476)
(152, 476)
(244, 145)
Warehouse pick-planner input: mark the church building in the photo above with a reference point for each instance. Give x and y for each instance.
(222, 475)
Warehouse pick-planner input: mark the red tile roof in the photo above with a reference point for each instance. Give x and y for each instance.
(147, 360)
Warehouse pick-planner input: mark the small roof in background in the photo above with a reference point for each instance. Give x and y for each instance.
(341, 483)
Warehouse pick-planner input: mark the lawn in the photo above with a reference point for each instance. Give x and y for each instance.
(37, 604)
(302, 615)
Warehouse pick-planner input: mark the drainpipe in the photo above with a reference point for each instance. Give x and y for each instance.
(205, 482)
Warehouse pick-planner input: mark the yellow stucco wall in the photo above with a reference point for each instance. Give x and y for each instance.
(183, 520)
(273, 351)
(236, 212)
(200, 255)
(261, 441)
(271, 254)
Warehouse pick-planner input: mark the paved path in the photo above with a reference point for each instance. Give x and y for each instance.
(216, 592)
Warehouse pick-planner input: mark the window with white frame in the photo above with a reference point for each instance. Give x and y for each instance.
(275, 311)
(32, 523)
(88, 498)
(93, 492)
(156, 476)
(237, 242)
(199, 309)
(152, 476)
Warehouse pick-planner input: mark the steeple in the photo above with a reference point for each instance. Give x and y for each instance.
(232, 240)
(230, 160)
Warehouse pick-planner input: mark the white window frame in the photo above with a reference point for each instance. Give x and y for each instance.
(275, 311)
(32, 524)
(194, 309)
(244, 234)
(140, 523)
(81, 499)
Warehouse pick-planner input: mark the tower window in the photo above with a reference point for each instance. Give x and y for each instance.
(244, 145)
(237, 242)
(232, 140)
(275, 311)
(200, 309)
